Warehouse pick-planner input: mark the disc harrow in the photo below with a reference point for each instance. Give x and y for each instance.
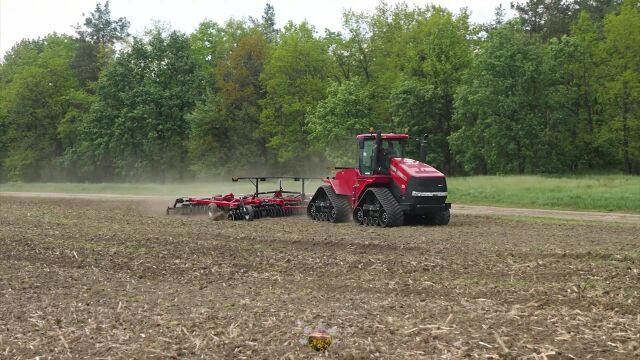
(250, 207)
(189, 206)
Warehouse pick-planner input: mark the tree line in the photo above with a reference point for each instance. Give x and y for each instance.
(556, 89)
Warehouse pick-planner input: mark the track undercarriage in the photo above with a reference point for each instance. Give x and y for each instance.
(376, 208)
(326, 205)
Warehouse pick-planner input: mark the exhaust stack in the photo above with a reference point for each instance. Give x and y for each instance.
(423, 149)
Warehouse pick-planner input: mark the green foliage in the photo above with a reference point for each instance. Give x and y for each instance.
(353, 53)
(438, 54)
(224, 127)
(34, 101)
(295, 79)
(69, 128)
(573, 65)
(211, 43)
(137, 127)
(100, 29)
(268, 24)
(622, 83)
(555, 90)
(208, 148)
(346, 111)
(549, 18)
(85, 63)
(499, 109)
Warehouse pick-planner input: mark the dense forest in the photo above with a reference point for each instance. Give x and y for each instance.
(555, 89)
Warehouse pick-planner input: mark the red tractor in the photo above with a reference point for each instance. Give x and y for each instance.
(385, 189)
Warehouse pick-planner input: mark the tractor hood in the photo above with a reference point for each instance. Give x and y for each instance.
(417, 183)
(408, 168)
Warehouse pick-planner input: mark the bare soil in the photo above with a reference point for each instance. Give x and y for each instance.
(115, 278)
(458, 208)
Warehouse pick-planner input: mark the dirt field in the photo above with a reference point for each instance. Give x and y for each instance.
(117, 279)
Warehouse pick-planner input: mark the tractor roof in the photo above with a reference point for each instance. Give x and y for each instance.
(384, 136)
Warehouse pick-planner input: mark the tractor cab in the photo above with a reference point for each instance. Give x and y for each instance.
(375, 152)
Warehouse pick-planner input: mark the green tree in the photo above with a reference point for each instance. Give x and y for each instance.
(85, 63)
(597, 9)
(622, 83)
(37, 82)
(268, 24)
(209, 130)
(357, 44)
(438, 53)
(96, 40)
(23, 54)
(347, 111)
(573, 63)
(211, 43)
(100, 29)
(550, 18)
(389, 42)
(295, 79)
(94, 51)
(555, 90)
(137, 127)
(224, 127)
(504, 121)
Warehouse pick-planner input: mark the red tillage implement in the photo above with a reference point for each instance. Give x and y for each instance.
(246, 207)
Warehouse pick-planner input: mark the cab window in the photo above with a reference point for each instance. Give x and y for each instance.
(365, 156)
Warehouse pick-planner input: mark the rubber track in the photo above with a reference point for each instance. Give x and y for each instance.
(340, 203)
(390, 205)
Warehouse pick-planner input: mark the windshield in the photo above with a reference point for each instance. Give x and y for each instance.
(391, 148)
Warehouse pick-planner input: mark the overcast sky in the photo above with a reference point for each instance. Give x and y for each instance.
(35, 18)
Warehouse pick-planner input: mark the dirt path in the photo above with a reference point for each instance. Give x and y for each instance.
(457, 208)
